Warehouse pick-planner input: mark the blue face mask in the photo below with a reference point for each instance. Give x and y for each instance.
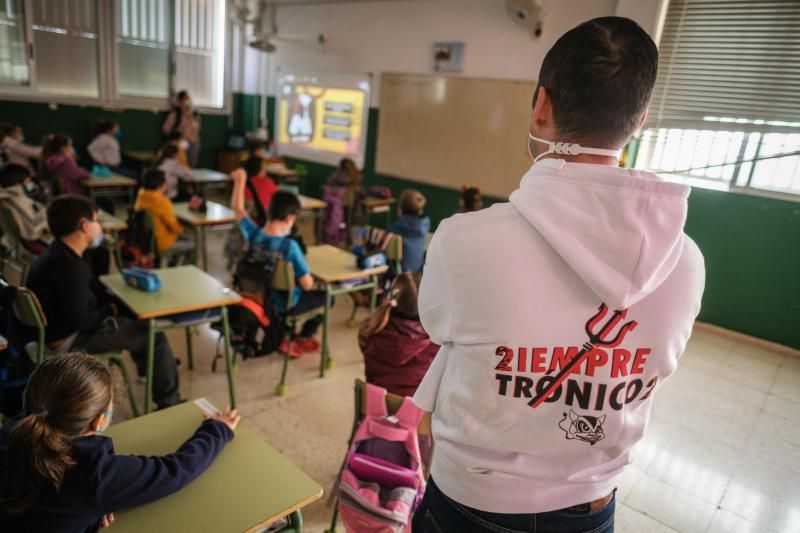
(97, 241)
(29, 186)
(108, 414)
(118, 134)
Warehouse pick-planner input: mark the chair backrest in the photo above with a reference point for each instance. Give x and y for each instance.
(283, 280)
(394, 246)
(29, 311)
(10, 229)
(393, 403)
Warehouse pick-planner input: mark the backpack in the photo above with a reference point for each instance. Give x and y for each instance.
(137, 243)
(333, 228)
(253, 280)
(382, 480)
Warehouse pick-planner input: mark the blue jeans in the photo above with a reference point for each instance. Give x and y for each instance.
(439, 514)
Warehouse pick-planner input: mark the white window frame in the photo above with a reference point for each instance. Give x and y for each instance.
(108, 64)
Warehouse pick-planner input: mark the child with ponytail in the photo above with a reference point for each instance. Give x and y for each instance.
(397, 350)
(58, 473)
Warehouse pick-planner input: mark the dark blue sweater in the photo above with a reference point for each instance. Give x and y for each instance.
(102, 482)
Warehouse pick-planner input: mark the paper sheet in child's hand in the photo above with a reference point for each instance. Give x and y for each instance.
(207, 407)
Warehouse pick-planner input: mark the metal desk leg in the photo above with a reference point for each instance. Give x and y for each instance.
(203, 249)
(117, 250)
(151, 346)
(229, 366)
(325, 360)
(373, 302)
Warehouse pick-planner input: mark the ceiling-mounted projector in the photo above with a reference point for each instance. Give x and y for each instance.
(527, 13)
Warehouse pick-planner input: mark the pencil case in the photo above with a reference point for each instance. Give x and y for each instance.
(141, 279)
(101, 171)
(370, 260)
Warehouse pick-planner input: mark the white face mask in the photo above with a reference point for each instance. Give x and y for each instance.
(183, 145)
(563, 148)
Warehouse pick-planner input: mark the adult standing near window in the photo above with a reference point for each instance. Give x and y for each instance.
(184, 120)
(555, 336)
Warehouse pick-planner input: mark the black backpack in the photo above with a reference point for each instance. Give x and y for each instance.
(253, 278)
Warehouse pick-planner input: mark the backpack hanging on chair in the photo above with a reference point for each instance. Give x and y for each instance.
(382, 481)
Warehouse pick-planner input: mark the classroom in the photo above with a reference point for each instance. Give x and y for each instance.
(400, 265)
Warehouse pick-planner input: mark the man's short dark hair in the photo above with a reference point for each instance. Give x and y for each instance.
(600, 76)
(282, 205)
(66, 212)
(12, 174)
(153, 179)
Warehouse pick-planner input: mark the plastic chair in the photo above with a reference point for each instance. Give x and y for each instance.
(16, 251)
(393, 403)
(394, 255)
(283, 280)
(29, 311)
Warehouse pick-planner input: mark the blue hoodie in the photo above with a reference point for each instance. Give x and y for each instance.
(414, 231)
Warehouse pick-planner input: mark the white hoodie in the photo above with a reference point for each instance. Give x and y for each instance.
(509, 293)
(104, 150)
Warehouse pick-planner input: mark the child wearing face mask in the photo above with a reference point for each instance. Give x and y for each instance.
(80, 314)
(173, 169)
(15, 149)
(61, 474)
(104, 147)
(275, 235)
(58, 158)
(20, 196)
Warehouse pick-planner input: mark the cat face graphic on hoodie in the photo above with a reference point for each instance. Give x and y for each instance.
(586, 428)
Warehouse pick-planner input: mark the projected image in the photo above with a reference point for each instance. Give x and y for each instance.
(322, 119)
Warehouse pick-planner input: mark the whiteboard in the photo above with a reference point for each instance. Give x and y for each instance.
(453, 131)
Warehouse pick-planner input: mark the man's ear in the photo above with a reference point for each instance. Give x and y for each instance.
(542, 107)
(643, 118)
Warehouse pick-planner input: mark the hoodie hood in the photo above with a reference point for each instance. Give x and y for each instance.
(620, 230)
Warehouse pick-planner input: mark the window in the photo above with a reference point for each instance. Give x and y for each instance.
(200, 50)
(120, 52)
(143, 47)
(13, 46)
(725, 105)
(65, 47)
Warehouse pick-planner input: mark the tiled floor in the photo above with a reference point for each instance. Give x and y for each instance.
(721, 455)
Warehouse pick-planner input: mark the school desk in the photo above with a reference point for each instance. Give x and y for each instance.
(203, 177)
(317, 208)
(113, 185)
(249, 485)
(113, 225)
(142, 157)
(337, 270)
(215, 215)
(183, 289)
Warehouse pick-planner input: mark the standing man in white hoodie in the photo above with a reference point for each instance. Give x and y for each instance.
(556, 336)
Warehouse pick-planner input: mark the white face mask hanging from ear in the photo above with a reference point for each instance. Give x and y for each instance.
(563, 148)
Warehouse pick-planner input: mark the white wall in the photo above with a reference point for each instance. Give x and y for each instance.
(398, 36)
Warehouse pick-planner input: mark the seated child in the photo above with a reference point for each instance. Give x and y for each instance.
(258, 180)
(413, 226)
(470, 199)
(60, 474)
(104, 148)
(14, 148)
(152, 197)
(173, 169)
(30, 214)
(397, 350)
(59, 164)
(79, 313)
(274, 235)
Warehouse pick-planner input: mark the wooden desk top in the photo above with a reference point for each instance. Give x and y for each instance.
(215, 214)
(110, 222)
(183, 289)
(115, 180)
(206, 175)
(371, 203)
(248, 486)
(145, 156)
(331, 264)
(308, 202)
